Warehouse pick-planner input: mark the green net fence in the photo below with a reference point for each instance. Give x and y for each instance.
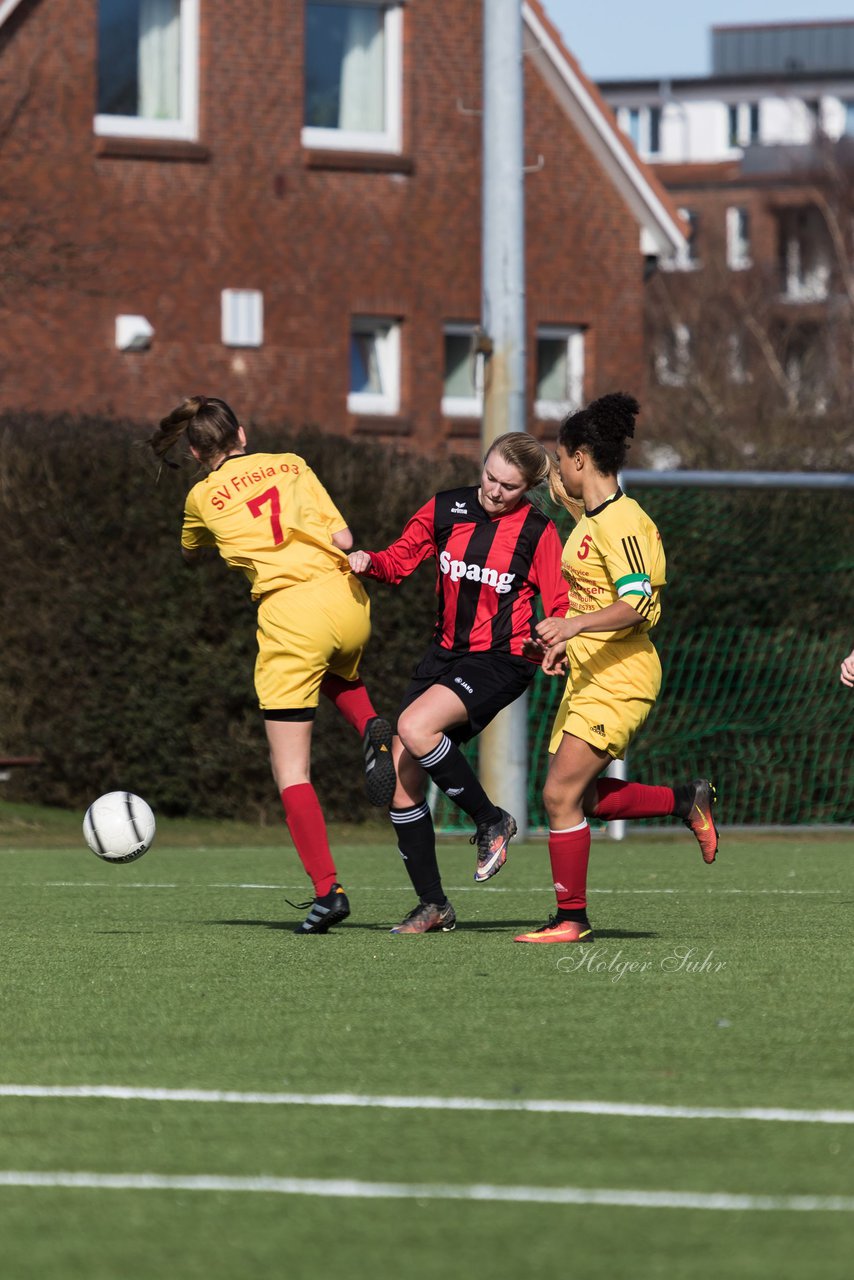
(757, 616)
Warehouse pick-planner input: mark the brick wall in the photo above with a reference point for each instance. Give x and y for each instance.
(103, 228)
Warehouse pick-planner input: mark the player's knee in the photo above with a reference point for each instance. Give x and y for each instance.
(416, 734)
(562, 804)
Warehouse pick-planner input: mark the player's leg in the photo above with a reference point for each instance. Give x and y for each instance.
(289, 739)
(416, 843)
(294, 642)
(346, 600)
(425, 727)
(572, 770)
(611, 798)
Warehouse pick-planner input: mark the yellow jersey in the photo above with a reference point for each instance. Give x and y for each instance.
(614, 553)
(268, 515)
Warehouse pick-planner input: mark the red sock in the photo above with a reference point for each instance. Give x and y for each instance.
(617, 799)
(569, 852)
(351, 698)
(305, 821)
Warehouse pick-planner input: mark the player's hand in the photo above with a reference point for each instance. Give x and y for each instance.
(554, 630)
(533, 649)
(360, 561)
(847, 670)
(554, 662)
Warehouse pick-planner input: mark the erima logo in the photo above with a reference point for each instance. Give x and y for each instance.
(475, 573)
(459, 509)
(598, 728)
(454, 791)
(467, 687)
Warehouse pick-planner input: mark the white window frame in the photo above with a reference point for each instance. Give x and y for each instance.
(736, 360)
(242, 317)
(464, 406)
(573, 336)
(636, 124)
(806, 261)
(390, 140)
(186, 127)
(737, 243)
(672, 366)
(742, 115)
(386, 333)
(685, 259)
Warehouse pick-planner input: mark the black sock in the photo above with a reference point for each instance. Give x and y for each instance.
(416, 841)
(683, 799)
(453, 774)
(578, 914)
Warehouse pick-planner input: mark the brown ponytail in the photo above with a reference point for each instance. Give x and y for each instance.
(210, 425)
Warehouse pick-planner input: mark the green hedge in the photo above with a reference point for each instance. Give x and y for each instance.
(122, 668)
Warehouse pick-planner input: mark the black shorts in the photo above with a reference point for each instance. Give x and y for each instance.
(486, 682)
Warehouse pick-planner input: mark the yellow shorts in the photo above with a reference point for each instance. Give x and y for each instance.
(610, 690)
(306, 631)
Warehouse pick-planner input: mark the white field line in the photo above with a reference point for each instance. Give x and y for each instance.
(393, 1102)
(459, 888)
(351, 1189)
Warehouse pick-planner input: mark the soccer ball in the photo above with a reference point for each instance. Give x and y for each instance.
(119, 827)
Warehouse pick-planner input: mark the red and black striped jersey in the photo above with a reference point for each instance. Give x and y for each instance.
(489, 569)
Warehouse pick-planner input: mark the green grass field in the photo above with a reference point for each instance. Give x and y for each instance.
(180, 973)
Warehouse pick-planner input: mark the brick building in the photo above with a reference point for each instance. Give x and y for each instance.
(279, 203)
(759, 157)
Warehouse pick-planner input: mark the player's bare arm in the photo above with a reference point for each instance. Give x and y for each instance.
(614, 617)
(343, 539)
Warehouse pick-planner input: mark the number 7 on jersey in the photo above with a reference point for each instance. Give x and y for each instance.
(272, 496)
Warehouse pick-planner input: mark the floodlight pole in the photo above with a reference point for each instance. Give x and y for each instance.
(504, 744)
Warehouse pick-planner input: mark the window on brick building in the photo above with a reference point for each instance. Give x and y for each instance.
(353, 75)
(242, 317)
(738, 238)
(687, 259)
(462, 389)
(374, 366)
(148, 68)
(560, 371)
(736, 359)
(673, 356)
(805, 255)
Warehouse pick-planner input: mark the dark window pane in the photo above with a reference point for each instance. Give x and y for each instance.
(118, 55)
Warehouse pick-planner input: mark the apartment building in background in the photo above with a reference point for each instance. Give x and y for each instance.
(280, 204)
(759, 157)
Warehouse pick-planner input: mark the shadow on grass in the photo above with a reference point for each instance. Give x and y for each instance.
(466, 926)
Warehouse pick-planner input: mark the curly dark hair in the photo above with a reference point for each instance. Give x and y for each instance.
(603, 429)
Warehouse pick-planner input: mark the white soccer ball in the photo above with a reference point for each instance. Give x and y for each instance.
(119, 827)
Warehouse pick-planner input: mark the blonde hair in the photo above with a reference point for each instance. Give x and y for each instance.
(559, 495)
(527, 455)
(210, 425)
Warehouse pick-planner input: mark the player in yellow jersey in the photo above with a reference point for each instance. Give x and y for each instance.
(268, 515)
(614, 566)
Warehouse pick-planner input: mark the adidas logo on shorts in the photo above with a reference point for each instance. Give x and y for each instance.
(598, 728)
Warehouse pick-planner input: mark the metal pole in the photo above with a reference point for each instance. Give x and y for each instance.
(503, 745)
